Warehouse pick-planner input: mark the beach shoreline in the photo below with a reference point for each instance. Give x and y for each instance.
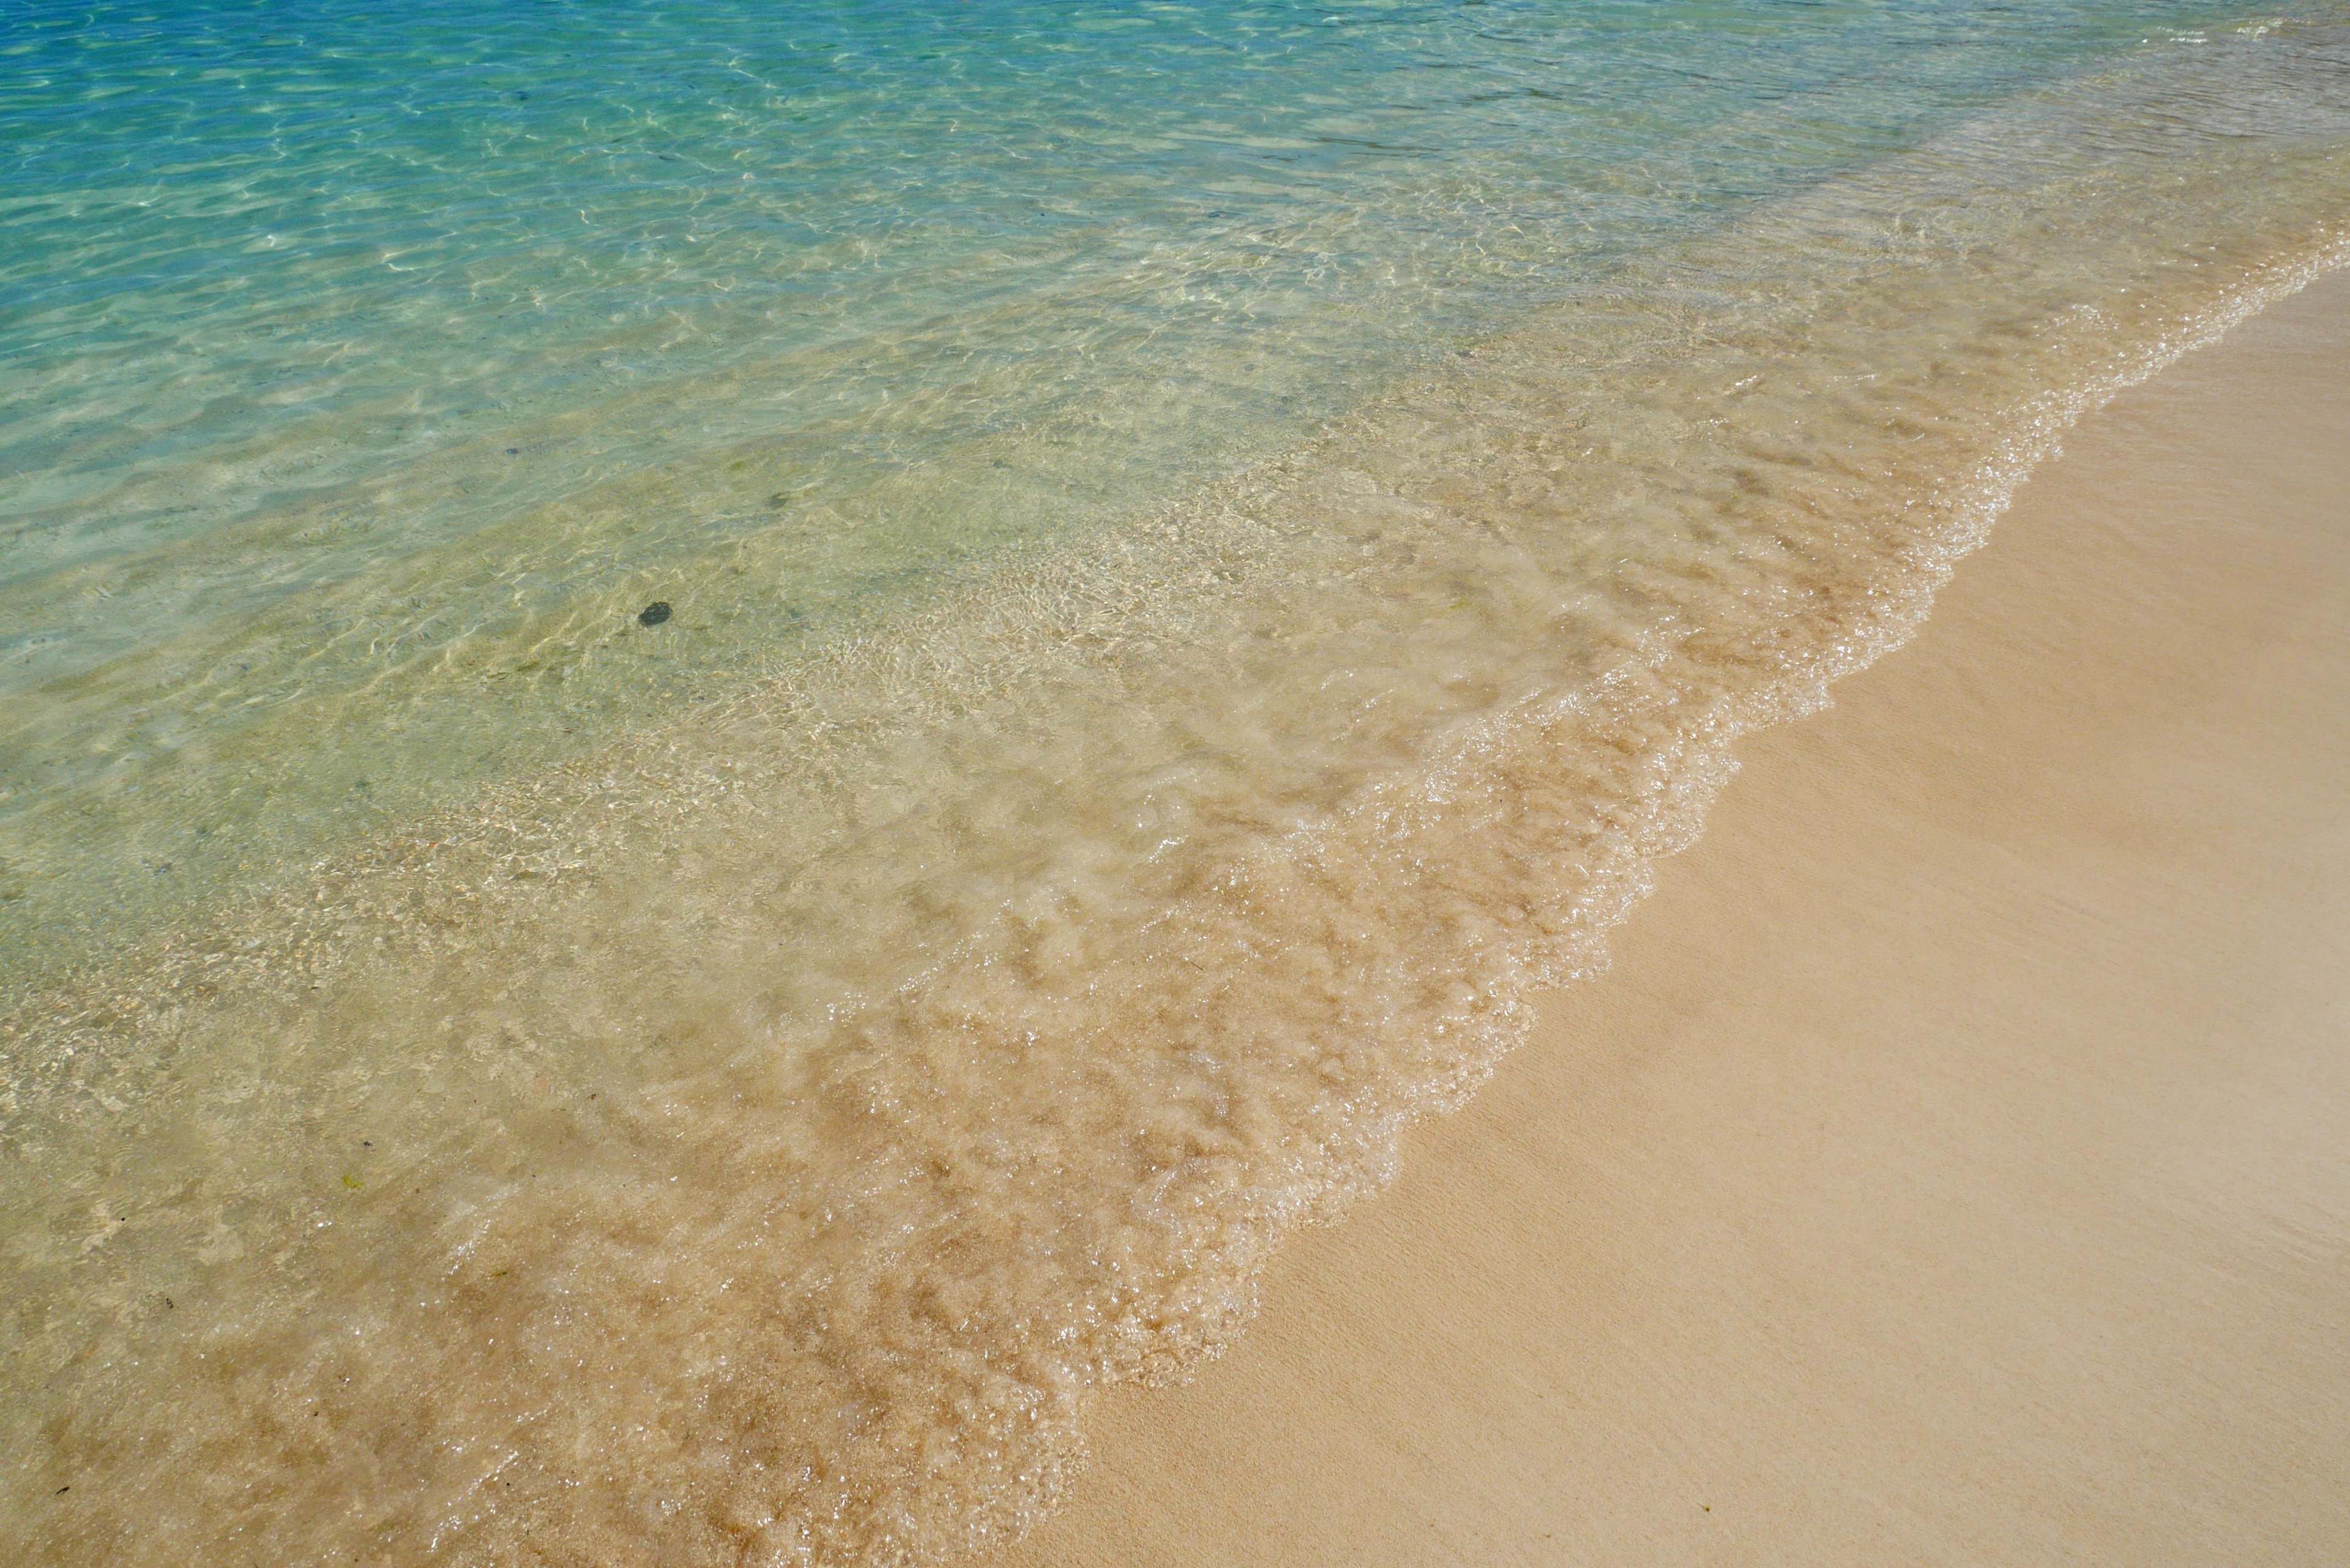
(1950, 1167)
(677, 904)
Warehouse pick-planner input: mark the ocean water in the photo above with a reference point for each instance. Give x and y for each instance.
(1211, 548)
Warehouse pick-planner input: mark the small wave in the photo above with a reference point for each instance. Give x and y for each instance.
(753, 1140)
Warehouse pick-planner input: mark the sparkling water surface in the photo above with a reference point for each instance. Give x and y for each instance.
(367, 366)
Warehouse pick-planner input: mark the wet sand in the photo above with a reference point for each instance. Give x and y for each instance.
(1955, 1165)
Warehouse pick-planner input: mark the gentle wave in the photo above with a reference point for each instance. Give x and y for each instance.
(750, 1140)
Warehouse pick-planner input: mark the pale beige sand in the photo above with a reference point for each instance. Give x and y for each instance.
(1956, 1166)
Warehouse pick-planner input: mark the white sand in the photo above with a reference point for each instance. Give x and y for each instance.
(1956, 1166)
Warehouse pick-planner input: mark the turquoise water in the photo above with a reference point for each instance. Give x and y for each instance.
(1211, 550)
(369, 366)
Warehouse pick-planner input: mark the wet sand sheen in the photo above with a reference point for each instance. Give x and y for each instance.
(1953, 1167)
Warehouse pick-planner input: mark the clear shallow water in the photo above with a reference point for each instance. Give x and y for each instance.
(1210, 546)
(369, 369)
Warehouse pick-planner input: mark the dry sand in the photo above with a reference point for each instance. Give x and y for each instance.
(1955, 1167)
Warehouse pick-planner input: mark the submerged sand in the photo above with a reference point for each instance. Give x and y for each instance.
(1955, 1166)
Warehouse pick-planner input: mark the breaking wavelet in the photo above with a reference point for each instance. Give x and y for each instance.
(748, 1136)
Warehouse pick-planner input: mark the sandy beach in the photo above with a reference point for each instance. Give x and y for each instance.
(1954, 1166)
(859, 785)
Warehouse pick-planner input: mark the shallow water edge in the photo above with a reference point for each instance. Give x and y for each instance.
(753, 1141)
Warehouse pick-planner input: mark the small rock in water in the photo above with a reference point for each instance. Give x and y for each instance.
(654, 613)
